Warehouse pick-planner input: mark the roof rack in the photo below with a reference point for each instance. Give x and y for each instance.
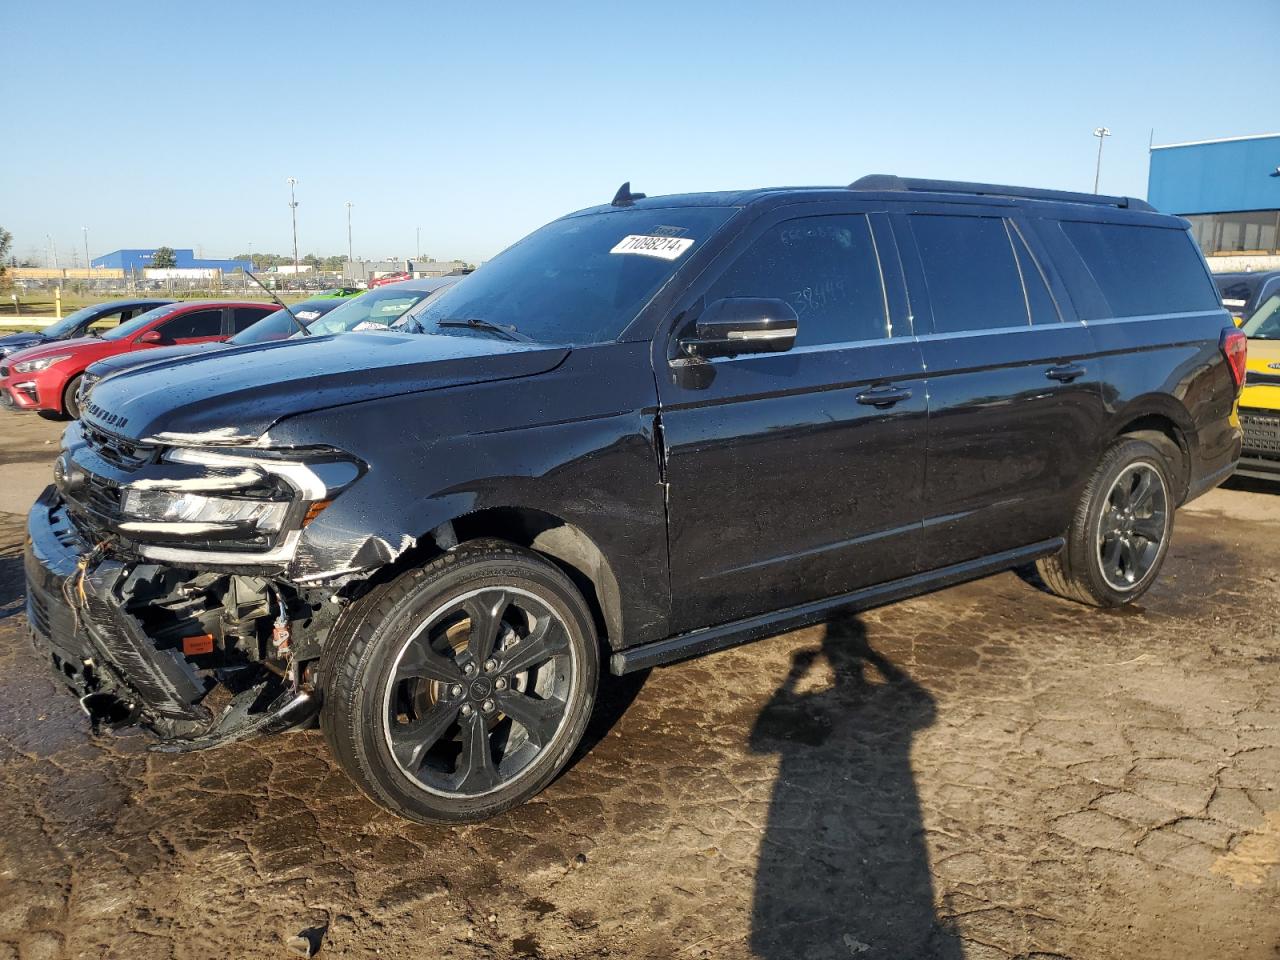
(890, 183)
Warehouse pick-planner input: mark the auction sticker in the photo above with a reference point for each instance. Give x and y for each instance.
(664, 248)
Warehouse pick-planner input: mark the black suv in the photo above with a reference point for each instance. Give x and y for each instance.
(649, 430)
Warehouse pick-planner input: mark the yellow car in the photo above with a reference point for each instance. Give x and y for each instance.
(1260, 401)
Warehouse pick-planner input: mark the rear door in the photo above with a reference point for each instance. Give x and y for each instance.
(787, 480)
(1015, 404)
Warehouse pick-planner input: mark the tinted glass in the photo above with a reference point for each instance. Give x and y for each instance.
(130, 327)
(242, 318)
(109, 320)
(825, 267)
(1143, 270)
(580, 279)
(278, 325)
(1265, 322)
(1039, 300)
(198, 323)
(970, 270)
(1236, 294)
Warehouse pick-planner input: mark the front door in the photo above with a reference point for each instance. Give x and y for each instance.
(797, 475)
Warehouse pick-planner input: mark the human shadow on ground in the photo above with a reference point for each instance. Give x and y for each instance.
(844, 871)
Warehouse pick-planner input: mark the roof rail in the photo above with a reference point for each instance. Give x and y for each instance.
(890, 183)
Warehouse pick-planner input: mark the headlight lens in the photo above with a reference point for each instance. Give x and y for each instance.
(233, 513)
(40, 363)
(199, 494)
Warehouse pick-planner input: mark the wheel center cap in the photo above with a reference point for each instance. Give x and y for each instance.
(481, 688)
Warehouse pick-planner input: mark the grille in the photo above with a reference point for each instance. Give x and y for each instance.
(117, 451)
(4, 369)
(1261, 433)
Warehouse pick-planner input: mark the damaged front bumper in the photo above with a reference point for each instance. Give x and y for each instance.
(81, 606)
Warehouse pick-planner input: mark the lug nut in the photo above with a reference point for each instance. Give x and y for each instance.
(466, 710)
(455, 690)
(501, 683)
(469, 669)
(487, 706)
(490, 665)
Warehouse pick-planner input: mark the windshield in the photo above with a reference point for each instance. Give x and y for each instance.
(375, 310)
(1265, 322)
(279, 325)
(69, 322)
(578, 280)
(130, 327)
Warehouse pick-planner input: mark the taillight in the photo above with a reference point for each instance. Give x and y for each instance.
(1235, 347)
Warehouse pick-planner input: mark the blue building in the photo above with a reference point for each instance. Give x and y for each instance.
(136, 261)
(1229, 189)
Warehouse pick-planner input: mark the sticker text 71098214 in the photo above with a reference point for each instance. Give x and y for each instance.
(664, 248)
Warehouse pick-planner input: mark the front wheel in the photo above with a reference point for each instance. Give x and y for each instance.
(71, 398)
(461, 688)
(1121, 529)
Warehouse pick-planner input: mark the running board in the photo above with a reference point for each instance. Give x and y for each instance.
(711, 639)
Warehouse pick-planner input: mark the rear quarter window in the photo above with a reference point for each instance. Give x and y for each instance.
(1143, 270)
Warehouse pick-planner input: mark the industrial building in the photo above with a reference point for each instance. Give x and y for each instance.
(1230, 191)
(362, 271)
(135, 261)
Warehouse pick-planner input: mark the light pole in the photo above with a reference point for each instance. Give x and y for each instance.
(293, 210)
(87, 264)
(417, 245)
(1100, 133)
(350, 258)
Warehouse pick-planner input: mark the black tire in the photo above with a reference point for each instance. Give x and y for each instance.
(367, 705)
(70, 399)
(1081, 571)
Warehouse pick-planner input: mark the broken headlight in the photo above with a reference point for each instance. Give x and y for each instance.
(210, 500)
(190, 511)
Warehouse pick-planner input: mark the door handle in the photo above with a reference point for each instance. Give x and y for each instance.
(883, 397)
(1065, 373)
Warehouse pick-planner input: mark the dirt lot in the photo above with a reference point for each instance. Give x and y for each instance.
(988, 772)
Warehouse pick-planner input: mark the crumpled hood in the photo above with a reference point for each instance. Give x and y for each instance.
(236, 394)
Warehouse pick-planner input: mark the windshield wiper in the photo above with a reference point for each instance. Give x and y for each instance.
(506, 331)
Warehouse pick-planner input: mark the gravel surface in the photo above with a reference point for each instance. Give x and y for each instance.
(988, 772)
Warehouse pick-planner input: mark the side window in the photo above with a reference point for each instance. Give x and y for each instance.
(971, 272)
(109, 320)
(1143, 270)
(198, 323)
(825, 267)
(242, 318)
(1040, 303)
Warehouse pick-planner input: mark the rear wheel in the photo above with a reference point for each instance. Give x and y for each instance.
(461, 688)
(1120, 533)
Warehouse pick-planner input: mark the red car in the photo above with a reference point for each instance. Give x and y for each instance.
(47, 378)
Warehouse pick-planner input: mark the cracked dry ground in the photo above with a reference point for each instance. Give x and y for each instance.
(988, 772)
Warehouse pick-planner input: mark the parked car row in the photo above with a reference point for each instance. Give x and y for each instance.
(650, 430)
(49, 372)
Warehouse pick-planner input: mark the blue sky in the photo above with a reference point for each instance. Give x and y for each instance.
(178, 123)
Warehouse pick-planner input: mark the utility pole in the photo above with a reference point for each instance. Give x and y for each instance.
(350, 258)
(417, 246)
(293, 209)
(87, 264)
(1100, 133)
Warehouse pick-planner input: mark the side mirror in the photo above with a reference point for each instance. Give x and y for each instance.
(153, 336)
(737, 325)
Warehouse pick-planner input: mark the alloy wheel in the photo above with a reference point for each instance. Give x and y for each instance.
(1132, 526)
(479, 690)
